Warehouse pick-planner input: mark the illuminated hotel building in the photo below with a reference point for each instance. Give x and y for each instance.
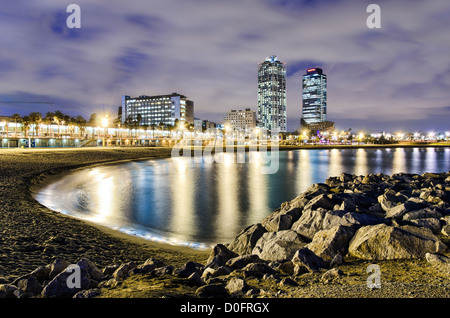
(241, 119)
(272, 94)
(154, 110)
(314, 108)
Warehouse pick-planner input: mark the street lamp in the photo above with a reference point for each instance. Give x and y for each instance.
(105, 121)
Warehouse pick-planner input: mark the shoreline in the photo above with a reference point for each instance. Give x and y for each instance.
(49, 178)
(25, 246)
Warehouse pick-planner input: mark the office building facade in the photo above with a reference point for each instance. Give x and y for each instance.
(314, 97)
(154, 110)
(240, 119)
(272, 94)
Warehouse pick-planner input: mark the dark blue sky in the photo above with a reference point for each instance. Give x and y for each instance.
(393, 78)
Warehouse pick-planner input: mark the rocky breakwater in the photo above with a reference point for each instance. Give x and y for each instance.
(373, 217)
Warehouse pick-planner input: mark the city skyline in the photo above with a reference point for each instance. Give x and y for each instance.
(393, 78)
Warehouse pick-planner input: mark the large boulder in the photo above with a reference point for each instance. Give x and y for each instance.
(320, 201)
(30, 285)
(431, 223)
(278, 246)
(422, 213)
(310, 222)
(281, 219)
(246, 240)
(305, 260)
(220, 254)
(328, 243)
(398, 211)
(242, 261)
(335, 218)
(383, 242)
(94, 272)
(389, 199)
(313, 221)
(65, 284)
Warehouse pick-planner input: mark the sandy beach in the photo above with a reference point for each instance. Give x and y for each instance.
(32, 235)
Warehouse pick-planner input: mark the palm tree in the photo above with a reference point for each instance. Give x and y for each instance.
(49, 119)
(58, 118)
(81, 123)
(35, 119)
(17, 119)
(25, 123)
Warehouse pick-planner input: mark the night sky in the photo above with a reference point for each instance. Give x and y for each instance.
(393, 78)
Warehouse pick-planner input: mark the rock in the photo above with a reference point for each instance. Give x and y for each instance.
(61, 285)
(57, 266)
(219, 256)
(389, 200)
(8, 291)
(421, 214)
(383, 242)
(212, 290)
(335, 218)
(236, 286)
(310, 222)
(287, 268)
(164, 270)
(242, 261)
(109, 270)
(433, 224)
(347, 205)
(331, 274)
(153, 261)
(94, 272)
(329, 243)
(278, 222)
(398, 211)
(188, 269)
(30, 285)
(245, 241)
(337, 260)
(287, 281)
(258, 269)
(208, 272)
(439, 261)
(196, 279)
(304, 258)
(41, 273)
(446, 230)
(88, 293)
(211, 272)
(346, 177)
(122, 271)
(320, 201)
(278, 246)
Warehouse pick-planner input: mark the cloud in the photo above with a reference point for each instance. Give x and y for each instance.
(209, 50)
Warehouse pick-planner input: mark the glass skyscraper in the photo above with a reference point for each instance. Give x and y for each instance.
(314, 108)
(272, 94)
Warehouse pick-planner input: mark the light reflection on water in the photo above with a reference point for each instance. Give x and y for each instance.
(198, 204)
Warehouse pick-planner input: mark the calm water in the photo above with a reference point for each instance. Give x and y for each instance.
(198, 204)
